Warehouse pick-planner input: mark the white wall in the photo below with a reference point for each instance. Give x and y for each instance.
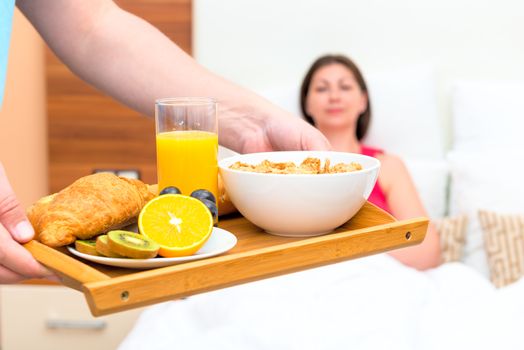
(263, 44)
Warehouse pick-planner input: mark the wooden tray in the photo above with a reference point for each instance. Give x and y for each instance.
(257, 255)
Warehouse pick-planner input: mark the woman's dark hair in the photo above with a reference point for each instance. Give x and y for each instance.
(364, 118)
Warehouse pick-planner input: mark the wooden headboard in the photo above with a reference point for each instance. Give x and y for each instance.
(89, 131)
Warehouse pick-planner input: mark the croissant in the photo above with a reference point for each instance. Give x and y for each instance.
(91, 205)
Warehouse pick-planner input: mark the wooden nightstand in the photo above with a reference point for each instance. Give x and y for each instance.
(46, 316)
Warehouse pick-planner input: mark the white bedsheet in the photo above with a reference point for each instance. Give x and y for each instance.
(369, 303)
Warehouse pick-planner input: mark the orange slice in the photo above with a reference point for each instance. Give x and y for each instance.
(179, 224)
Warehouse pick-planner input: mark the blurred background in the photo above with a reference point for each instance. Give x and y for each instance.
(465, 39)
(263, 45)
(422, 60)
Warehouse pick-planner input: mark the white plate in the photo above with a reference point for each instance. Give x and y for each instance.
(219, 242)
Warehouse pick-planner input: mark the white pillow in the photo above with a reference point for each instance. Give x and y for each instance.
(490, 180)
(405, 117)
(286, 97)
(431, 178)
(488, 115)
(404, 122)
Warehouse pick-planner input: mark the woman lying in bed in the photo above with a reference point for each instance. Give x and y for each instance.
(334, 98)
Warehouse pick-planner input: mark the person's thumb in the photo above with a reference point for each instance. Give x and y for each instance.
(12, 215)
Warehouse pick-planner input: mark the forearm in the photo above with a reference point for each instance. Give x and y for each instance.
(134, 62)
(131, 60)
(424, 256)
(404, 203)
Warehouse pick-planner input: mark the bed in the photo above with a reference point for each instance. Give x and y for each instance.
(469, 167)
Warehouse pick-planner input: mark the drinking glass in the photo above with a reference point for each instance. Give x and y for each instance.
(187, 144)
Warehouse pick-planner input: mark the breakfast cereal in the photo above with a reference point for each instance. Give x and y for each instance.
(310, 165)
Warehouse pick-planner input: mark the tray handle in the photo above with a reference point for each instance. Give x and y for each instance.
(72, 272)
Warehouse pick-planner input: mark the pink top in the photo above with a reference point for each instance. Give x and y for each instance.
(377, 196)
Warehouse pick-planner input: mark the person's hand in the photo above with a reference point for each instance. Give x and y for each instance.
(278, 131)
(16, 263)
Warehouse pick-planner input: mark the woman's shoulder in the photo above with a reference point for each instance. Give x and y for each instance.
(392, 170)
(391, 162)
(391, 158)
(382, 155)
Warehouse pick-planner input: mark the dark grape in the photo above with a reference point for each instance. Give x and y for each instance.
(170, 190)
(212, 208)
(204, 194)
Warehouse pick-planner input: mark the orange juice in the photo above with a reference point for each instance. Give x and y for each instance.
(187, 160)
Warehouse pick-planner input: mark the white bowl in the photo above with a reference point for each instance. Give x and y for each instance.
(295, 204)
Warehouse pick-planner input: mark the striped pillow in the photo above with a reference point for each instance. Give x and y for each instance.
(504, 243)
(452, 232)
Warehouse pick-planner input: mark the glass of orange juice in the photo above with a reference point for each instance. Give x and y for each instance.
(187, 144)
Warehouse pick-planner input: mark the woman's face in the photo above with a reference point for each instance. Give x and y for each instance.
(335, 99)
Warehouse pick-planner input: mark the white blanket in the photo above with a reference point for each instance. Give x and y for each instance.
(369, 303)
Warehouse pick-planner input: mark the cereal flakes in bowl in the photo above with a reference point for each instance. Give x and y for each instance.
(299, 193)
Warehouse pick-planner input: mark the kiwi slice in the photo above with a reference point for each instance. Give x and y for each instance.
(86, 246)
(132, 245)
(102, 247)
